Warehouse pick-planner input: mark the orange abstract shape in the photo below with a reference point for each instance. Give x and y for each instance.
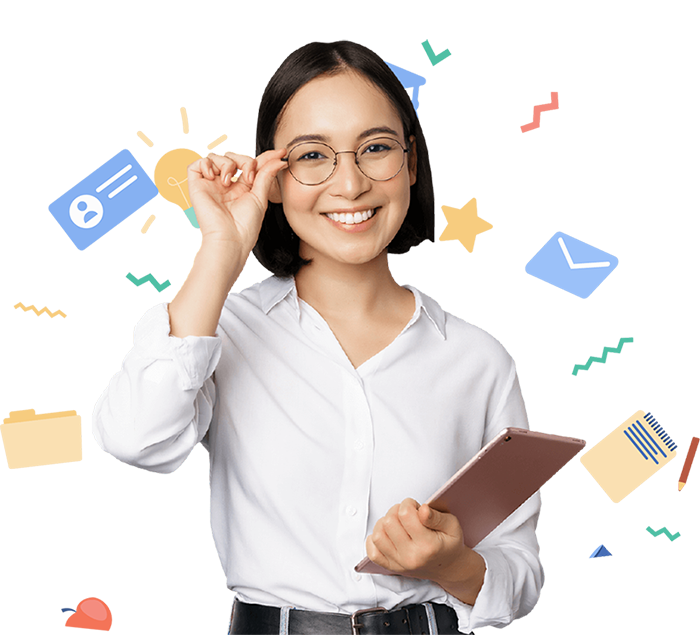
(681, 489)
(171, 176)
(481, 216)
(565, 102)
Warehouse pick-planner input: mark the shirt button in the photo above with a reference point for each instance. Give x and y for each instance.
(350, 511)
(358, 445)
(358, 576)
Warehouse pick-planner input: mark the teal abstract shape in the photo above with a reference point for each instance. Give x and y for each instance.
(640, 333)
(670, 545)
(192, 217)
(432, 56)
(463, 60)
(129, 277)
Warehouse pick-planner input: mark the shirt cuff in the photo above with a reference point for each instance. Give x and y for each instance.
(489, 608)
(195, 357)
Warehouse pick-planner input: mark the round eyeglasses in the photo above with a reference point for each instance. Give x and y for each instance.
(313, 162)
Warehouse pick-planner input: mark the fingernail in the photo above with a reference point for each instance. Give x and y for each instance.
(227, 178)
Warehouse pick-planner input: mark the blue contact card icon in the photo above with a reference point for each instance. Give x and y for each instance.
(104, 199)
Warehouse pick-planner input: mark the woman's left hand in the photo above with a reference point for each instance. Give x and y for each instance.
(418, 541)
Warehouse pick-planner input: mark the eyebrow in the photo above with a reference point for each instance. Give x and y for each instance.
(324, 138)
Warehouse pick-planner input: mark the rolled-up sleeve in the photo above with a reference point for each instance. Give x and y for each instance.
(514, 574)
(160, 404)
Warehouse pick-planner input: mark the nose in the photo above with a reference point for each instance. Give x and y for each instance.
(348, 180)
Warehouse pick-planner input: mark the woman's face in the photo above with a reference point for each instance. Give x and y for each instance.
(344, 111)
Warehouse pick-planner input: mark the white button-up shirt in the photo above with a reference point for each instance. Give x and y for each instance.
(307, 452)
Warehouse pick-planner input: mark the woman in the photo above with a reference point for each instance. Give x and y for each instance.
(330, 398)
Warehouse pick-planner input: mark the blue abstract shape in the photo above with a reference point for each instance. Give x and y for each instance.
(615, 578)
(571, 265)
(102, 200)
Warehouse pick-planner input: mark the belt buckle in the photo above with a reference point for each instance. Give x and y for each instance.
(353, 618)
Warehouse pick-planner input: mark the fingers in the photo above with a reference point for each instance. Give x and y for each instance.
(399, 532)
(380, 557)
(408, 517)
(269, 164)
(225, 167)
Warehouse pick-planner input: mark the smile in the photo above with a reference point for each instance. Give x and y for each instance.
(355, 218)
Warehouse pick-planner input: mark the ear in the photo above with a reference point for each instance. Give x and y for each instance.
(412, 160)
(274, 195)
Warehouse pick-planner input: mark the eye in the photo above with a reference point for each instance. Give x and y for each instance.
(375, 148)
(314, 155)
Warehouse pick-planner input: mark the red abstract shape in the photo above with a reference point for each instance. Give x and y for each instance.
(91, 613)
(564, 102)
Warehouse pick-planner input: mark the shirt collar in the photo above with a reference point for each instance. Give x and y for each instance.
(274, 289)
(432, 310)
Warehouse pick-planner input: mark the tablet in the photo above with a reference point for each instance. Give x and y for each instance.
(496, 481)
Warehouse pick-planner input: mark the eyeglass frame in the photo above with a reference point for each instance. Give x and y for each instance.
(357, 159)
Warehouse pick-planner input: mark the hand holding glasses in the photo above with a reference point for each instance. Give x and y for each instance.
(313, 162)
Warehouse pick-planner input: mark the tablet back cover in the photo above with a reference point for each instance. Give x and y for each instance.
(496, 481)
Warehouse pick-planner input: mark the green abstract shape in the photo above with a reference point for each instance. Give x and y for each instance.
(669, 542)
(129, 277)
(464, 60)
(642, 332)
(192, 217)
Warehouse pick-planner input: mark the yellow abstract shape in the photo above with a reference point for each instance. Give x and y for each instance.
(145, 139)
(629, 455)
(185, 122)
(171, 176)
(48, 473)
(481, 217)
(463, 224)
(152, 232)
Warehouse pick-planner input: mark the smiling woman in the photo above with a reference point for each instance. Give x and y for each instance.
(344, 110)
(321, 392)
(368, 83)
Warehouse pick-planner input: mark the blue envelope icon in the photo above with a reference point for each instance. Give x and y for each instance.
(103, 199)
(571, 264)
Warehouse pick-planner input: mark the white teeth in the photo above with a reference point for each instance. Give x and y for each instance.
(351, 219)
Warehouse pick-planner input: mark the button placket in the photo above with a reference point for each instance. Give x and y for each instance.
(354, 489)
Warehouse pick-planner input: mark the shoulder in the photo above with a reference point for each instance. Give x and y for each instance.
(259, 297)
(465, 338)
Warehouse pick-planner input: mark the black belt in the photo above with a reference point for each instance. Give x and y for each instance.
(257, 619)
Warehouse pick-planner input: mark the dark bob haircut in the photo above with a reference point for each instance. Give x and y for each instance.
(277, 247)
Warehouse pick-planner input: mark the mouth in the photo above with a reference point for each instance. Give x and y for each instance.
(350, 219)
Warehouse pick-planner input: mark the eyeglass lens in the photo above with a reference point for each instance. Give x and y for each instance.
(312, 163)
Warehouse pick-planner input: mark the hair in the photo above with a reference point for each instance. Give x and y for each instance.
(277, 248)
